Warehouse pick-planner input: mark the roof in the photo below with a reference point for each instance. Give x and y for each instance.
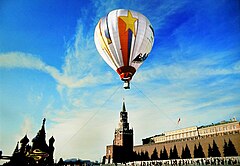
(219, 123)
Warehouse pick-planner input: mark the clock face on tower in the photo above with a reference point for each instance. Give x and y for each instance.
(123, 115)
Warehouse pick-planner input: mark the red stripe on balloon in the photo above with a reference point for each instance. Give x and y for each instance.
(123, 35)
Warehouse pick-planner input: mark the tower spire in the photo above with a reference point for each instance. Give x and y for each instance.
(16, 150)
(123, 107)
(43, 124)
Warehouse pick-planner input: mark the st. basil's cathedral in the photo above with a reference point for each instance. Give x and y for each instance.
(38, 154)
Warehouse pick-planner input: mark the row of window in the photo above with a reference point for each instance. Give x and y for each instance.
(203, 131)
(182, 131)
(175, 136)
(217, 129)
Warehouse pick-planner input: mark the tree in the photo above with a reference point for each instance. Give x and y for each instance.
(146, 156)
(225, 149)
(232, 149)
(60, 162)
(183, 156)
(139, 156)
(200, 151)
(103, 159)
(175, 153)
(195, 152)
(154, 155)
(142, 156)
(161, 154)
(134, 156)
(164, 154)
(209, 151)
(215, 150)
(187, 152)
(171, 154)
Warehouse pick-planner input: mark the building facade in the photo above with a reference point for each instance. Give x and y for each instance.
(205, 135)
(221, 128)
(122, 148)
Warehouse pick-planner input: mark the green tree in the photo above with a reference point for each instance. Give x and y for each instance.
(200, 151)
(171, 154)
(139, 156)
(61, 162)
(195, 152)
(142, 156)
(209, 151)
(175, 153)
(187, 152)
(146, 156)
(225, 149)
(215, 150)
(232, 149)
(154, 155)
(164, 154)
(183, 156)
(103, 159)
(161, 154)
(134, 156)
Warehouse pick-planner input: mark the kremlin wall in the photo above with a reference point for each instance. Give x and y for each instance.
(205, 135)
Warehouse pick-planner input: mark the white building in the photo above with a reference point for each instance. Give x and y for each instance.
(224, 127)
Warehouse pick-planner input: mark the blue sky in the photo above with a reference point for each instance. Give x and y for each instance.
(49, 67)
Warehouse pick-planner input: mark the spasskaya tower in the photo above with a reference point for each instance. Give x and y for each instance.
(122, 149)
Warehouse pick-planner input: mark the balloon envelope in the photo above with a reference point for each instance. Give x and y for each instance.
(124, 39)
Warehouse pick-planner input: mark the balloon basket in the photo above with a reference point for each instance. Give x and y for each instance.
(126, 85)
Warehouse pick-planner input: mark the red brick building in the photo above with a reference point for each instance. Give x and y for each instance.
(122, 148)
(204, 135)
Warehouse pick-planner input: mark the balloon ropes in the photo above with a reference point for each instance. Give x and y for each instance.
(124, 39)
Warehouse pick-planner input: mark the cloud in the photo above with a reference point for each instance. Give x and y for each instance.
(28, 61)
(20, 60)
(163, 9)
(27, 128)
(202, 67)
(86, 130)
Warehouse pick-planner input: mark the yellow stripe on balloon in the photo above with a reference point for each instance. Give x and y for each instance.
(103, 43)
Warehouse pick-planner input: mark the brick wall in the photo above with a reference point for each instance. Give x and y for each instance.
(204, 141)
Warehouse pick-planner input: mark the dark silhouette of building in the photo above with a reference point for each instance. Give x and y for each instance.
(39, 141)
(122, 149)
(37, 154)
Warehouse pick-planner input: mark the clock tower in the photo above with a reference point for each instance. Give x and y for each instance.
(123, 136)
(122, 149)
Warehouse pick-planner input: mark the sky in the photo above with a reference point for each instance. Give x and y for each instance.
(50, 68)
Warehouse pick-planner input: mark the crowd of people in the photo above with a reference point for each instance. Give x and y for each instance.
(191, 162)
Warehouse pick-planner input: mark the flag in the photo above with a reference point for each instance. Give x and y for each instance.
(178, 120)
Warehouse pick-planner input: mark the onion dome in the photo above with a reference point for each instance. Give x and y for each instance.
(24, 140)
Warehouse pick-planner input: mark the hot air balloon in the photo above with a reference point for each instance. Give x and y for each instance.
(124, 39)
